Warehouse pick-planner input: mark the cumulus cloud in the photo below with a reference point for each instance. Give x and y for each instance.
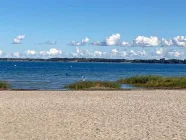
(16, 54)
(179, 41)
(142, 53)
(112, 40)
(98, 54)
(113, 54)
(81, 53)
(153, 53)
(174, 54)
(82, 43)
(143, 41)
(132, 53)
(48, 43)
(125, 44)
(18, 39)
(30, 52)
(114, 51)
(1, 52)
(51, 52)
(159, 51)
(165, 42)
(123, 53)
(139, 41)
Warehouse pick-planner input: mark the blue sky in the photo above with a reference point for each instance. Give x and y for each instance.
(47, 28)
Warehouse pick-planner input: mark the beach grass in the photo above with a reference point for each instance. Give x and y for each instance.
(160, 82)
(4, 85)
(94, 85)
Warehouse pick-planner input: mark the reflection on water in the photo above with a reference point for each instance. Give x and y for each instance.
(127, 86)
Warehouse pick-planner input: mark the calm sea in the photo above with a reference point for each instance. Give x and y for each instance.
(55, 75)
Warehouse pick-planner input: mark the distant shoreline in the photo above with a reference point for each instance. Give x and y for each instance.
(149, 61)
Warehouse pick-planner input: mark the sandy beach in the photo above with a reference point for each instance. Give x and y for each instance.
(93, 115)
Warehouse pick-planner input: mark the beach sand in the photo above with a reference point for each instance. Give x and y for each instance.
(93, 115)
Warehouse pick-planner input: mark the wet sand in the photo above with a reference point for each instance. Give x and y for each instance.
(93, 115)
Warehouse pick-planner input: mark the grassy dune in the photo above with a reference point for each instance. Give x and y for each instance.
(156, 82)
(4, 85)
(93, 85)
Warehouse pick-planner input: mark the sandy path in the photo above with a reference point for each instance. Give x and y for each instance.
(114, 115)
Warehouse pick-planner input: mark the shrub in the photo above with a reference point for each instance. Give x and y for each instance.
(155, 81)
(87, 85)
(3, 85)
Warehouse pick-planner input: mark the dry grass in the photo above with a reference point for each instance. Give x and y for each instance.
(93, 85)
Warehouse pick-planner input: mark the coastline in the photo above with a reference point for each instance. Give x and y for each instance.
(97, 60)
(133, 114)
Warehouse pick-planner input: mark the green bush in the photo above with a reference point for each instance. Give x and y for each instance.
(155, 81)
(88, 85)
(3, 85)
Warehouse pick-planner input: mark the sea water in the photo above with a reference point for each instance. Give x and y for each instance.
(55, 75)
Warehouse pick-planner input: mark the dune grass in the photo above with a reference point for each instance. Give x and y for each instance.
(156, 82)
(94, 85)
(4, 85)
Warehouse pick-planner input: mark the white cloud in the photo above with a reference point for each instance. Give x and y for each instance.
(51, 52)
(165, 42)
(82, 43)
(139, 41)
(31, 52)
(18, 39)
(81, 53)
(98, 43)
(8, 55)
(86, 40)
(114, 51)
(123, 54)
(146, 41)
(159, 51)
(1, 52)
(142, 41)
(98, 54)
(142, 53)
(54, 51)
(48, 43)
(179, 41)
(168, 54)
(112, 40)
(174, 54)
(125, 44)
(16, 54)
(132, 53)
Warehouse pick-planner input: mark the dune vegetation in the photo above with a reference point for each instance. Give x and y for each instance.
(156, 82)
(4, 85)
(94, 85)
